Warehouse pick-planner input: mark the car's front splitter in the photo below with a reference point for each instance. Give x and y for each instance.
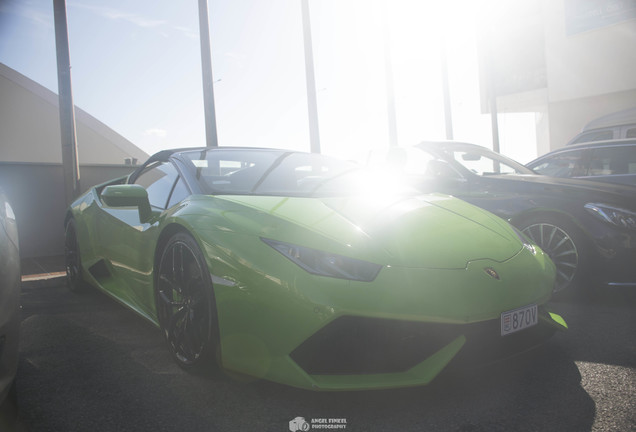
(356, 353)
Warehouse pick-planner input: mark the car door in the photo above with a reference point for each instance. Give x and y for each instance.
(128, 242)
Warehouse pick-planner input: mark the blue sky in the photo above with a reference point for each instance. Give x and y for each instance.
(136, 67)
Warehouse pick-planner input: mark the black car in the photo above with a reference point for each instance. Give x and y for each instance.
(588, 228)
(609, 161)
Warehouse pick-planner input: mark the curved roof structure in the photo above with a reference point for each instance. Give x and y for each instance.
(30, 127)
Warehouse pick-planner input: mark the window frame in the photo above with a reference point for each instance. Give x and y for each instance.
(153, 166)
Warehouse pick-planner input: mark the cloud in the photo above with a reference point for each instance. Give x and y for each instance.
(156, 132)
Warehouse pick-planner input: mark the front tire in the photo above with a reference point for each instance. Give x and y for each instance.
(185, 304)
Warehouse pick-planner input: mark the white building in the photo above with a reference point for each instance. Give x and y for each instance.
(31, 171)
(569, 61)
(30, 127)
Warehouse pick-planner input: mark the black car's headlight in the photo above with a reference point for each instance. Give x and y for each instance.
(616, 216)
(326, 264)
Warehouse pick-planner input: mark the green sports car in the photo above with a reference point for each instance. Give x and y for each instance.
(308, 271)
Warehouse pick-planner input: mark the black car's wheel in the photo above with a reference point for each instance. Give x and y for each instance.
(73, 260)
(562, 243)
(185, 303)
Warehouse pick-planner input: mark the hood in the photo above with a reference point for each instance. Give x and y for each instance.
(431, 231)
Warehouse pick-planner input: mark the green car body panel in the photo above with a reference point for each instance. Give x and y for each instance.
(433, 250)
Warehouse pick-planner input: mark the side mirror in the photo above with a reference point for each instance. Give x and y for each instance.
(128, 196)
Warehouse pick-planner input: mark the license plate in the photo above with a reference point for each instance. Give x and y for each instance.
(519, 319)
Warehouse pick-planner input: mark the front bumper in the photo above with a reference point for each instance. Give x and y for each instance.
(355, 353)
(615, 258)
(400, 330)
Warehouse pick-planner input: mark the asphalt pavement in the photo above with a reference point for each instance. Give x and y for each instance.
(88, 364)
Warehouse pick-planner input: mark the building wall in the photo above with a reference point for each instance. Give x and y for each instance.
(36, 193)
(590, 61)
(584, 68)
(30, 127)
(31, 160)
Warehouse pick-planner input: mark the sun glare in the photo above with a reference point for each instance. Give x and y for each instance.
(381, 61)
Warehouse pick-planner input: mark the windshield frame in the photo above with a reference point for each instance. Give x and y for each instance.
(446, 151)
(315, 175)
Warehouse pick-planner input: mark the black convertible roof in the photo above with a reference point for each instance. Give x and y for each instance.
(164, 156)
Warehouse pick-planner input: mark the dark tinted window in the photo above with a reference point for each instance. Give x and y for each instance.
(613, 161)
(631, 133)
(179, 193)
(158, 181)
(566, 164)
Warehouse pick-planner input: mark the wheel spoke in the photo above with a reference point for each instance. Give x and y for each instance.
(176, 327)
(552, 234)
(172, 284)
(529, 232)
(566, 253)
(561, 243)
(191, 344)
(169, 301)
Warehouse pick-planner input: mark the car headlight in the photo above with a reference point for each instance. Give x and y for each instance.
(527, 243)
(326, 264)
(616, 216)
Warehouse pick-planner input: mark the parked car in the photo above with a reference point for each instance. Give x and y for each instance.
(588, 228)
(293, 267)
(9, 309)
(617, 125)
(609, 161)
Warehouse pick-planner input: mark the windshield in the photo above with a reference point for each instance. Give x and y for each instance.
(484, 162)
(280, 173)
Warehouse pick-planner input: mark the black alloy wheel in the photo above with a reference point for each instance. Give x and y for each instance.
(185, 303)
(73, 260)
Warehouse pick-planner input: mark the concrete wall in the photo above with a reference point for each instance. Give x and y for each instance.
(590, 64)
(36, 193)
(587, 70)
(30, 127)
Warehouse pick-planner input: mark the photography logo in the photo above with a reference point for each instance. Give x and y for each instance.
(299, 424)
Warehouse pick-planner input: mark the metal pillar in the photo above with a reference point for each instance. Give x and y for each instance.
(388, 76)
(312, 100)
(70, 163)
(211, 138)
(492, 94)
(494, 123)
(448, 114)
